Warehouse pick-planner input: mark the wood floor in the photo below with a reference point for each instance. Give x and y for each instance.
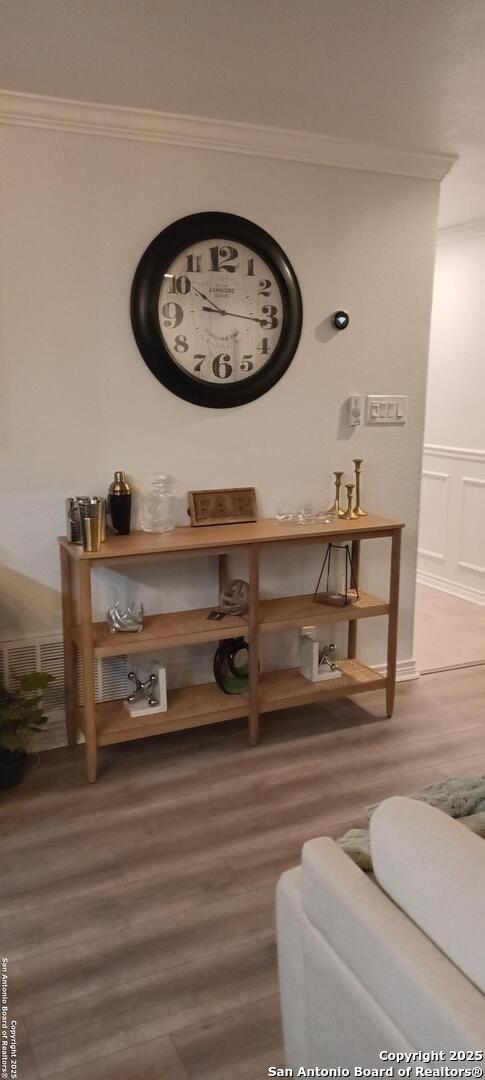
(447, 631)
(137, 914)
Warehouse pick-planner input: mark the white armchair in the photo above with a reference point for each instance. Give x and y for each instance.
(389, 962)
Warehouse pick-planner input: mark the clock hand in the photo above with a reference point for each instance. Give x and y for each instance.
(234, 314)
(214, 306)
(252, 318)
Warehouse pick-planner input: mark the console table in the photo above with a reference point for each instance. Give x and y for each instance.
(108, 722)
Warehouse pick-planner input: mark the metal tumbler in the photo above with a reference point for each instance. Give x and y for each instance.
(103, 521)
(73, 525)
(92, 517)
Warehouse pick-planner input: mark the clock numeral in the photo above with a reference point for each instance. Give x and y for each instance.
(180, 285)
(263, 348)
(250, 270)
(199, 356)
(271, 321)
(181, 344)
(247, 363)
(222, 366)
(194, 264)
(221, 257)
(264, 287)
(172, 314)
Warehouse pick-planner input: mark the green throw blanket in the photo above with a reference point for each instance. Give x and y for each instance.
(461, 797)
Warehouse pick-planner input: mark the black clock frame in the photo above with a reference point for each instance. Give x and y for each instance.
(145, 321)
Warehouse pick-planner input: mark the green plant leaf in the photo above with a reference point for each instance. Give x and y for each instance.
(21, 709)
(13, 742)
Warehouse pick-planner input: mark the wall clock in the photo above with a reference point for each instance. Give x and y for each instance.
(216, 309)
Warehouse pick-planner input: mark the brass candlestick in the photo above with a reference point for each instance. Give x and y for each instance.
(358, 510)
(335, 510)
(349, 513)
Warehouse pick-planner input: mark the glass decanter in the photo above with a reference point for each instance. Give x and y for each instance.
(158, 509)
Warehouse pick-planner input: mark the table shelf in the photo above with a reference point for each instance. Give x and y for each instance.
(166, 631)
(195, 706)
(295, 611)
(179, 628)
(191, 706)
(288, 689)
(109, 722)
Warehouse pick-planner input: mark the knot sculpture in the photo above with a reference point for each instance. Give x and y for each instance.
(145, 688)
(126, 619)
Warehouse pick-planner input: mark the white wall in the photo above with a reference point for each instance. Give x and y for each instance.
(452, 522)
(78, 400)
(456, 378)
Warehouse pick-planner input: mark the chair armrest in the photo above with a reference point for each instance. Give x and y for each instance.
(434, 869)
(415, 984)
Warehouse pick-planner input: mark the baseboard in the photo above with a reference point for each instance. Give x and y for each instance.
(453, 588)
(453, 667)
(406, 670)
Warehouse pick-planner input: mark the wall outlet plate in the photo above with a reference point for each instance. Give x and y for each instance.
(386, 409)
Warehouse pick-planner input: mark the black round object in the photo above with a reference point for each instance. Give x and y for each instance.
(340, 320)
(216, 309)
(229, 677)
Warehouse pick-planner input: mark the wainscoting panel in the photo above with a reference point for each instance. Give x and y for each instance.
(451, 551)
(472, 537)
(435, 494)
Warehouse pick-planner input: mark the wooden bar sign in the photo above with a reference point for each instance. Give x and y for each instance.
(223, 506)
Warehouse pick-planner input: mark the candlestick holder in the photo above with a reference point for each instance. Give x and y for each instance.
(335, 510)
(358, 509)
(349, 514)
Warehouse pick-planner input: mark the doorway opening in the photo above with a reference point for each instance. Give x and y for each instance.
(450, 601)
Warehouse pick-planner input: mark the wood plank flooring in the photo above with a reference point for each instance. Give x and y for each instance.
(138, 913)
(447, 631)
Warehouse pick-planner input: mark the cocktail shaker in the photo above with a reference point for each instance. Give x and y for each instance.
(119, 503)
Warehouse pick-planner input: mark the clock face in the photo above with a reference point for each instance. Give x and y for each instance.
(216, 309)
(220, 311)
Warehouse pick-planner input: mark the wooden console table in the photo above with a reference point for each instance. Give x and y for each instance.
(108, 722)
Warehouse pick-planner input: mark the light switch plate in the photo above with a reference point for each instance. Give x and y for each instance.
(386, 409)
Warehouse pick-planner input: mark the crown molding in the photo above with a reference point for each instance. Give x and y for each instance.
(471, 230)
(119, 122)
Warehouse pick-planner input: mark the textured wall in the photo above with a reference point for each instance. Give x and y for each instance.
(78, 401)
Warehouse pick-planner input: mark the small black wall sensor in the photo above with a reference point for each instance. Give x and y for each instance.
(340, 320)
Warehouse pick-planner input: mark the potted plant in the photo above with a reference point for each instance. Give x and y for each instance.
(20, 717)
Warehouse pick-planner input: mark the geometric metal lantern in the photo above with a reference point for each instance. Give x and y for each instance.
(340, 585)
